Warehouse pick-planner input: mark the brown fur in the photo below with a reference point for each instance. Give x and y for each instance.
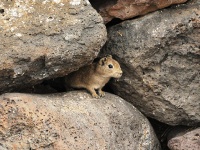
(94, 76)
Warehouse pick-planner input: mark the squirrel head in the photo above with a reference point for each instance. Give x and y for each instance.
(108, 67)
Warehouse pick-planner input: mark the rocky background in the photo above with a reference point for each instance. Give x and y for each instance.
(155, 104)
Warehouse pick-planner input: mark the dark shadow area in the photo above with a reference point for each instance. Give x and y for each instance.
(97, 4)
(108, 87)
(46, 87)
(58, 84)
(161, 130)
(113, 22)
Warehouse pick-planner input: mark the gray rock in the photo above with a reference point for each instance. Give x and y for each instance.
(160, 56)
(46, 39)
(72, 120)
(185, 139)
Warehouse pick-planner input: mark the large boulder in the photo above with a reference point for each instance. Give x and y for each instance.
(160, 56)
(72, 120)
(46, 39)
(182, 139)
(126, 9)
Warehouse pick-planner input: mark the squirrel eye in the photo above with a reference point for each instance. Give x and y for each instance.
(110, 66)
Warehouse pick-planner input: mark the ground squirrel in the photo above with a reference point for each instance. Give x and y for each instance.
(93, 77)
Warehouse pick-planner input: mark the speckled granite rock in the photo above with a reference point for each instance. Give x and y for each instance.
(46, 39)
(185, 140)
(160, 57)
(126, 9)
(72, 120)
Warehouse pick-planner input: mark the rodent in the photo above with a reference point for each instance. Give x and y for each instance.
(93, 77)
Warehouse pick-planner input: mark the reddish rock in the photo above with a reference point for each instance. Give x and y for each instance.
(185, 139)
(125, 9)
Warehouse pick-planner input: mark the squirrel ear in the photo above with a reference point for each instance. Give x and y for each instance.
(102, 61)
(109, 56)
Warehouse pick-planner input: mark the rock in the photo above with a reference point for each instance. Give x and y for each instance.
(46, 39)
(72, 120)
(160, 57)
(185, 140)
(126, 9)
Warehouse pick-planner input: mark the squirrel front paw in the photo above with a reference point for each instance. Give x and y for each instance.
(101, 93)
(94, 95)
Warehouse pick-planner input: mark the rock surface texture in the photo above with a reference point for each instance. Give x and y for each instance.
(46, 39)
(160, 57)
(189, 140)
(72, 120)
(126, 9)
